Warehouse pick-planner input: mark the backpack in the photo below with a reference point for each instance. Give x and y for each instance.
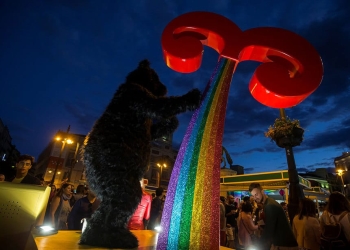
(332, 236)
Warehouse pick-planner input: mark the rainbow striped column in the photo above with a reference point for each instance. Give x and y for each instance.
(190, 217)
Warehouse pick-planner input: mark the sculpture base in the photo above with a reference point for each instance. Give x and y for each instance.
(69, 239)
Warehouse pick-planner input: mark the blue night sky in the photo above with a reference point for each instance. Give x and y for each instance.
(62, 60)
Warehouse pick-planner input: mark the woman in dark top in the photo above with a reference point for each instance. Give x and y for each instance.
(83, 208)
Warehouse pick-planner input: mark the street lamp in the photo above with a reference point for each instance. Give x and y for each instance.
(74, 161)
(296, 192)
(161, 166)
(340, 173)
(64, 141)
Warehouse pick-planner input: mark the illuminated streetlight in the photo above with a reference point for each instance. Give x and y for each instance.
(161, 166)
(340, 173)
(64, 141)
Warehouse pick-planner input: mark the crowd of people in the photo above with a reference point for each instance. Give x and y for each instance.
(67, 206)
(259, 222)
(67, 209)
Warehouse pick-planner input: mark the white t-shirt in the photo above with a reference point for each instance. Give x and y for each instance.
(17, 180)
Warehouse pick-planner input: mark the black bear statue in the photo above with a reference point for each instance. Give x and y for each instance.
(116, 152)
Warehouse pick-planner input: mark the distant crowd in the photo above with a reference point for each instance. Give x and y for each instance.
(67, 206)
(259, 222)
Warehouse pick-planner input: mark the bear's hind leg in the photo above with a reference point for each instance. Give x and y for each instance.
(99, 233)
(108, 225)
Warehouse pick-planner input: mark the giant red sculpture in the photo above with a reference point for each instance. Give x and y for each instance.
(291, 70)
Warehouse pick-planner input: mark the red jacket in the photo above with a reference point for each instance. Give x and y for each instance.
(142, 212)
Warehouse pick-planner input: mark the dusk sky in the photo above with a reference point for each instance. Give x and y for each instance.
(62, 60)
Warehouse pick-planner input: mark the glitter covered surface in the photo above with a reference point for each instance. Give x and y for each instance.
(200, 231)
(190, 217)
(214, 188)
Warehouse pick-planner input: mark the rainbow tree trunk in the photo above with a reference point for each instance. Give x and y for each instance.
(191, 213)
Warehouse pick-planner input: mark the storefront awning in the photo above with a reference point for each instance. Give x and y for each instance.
(269, 181)
(278, 179)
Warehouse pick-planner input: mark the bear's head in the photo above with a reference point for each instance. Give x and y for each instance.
(145, 76)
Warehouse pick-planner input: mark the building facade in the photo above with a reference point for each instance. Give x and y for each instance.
(62, 159)
(8, 152)
(162, 160)
(342, 162)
